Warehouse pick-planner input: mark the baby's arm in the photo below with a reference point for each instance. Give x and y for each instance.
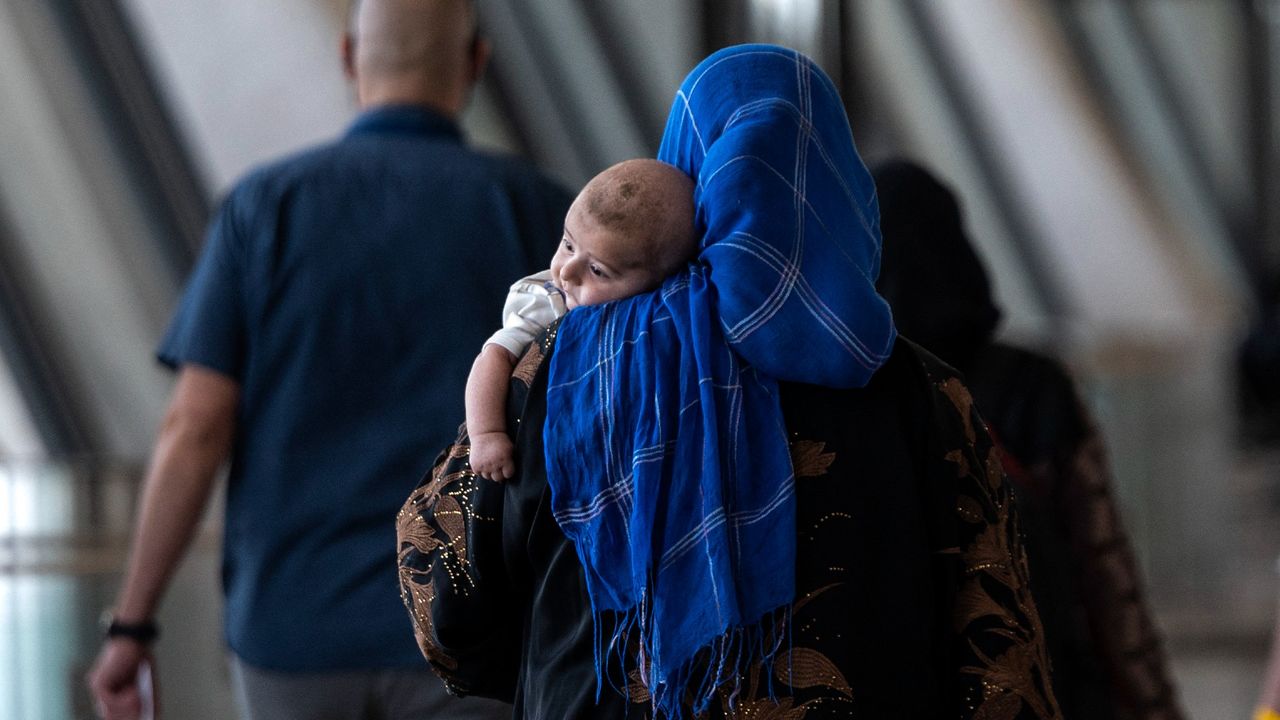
(492, 452)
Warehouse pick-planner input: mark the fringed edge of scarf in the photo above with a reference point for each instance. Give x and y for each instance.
(723, 667)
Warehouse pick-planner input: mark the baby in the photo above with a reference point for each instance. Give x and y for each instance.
(629, 228)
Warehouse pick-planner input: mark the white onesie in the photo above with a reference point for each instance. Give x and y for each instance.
(533, 303)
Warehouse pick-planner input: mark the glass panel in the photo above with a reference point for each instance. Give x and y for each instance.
(39, 606)
(63, 537)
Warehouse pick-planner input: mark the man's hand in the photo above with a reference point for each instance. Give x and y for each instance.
(114, 680)
(493, 456)
(195, 438)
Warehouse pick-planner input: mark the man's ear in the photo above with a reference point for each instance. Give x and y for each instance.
(349, 56)
(480, 51)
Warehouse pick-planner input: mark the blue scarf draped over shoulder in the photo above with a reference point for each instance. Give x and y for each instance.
(666, 452)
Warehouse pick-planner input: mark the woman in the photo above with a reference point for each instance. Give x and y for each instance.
(1107, 660)
(696, 528)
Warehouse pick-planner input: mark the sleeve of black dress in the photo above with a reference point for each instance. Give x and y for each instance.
(1000, 658)
(453, 579)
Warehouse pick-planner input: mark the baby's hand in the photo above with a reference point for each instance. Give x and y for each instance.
(493, 456)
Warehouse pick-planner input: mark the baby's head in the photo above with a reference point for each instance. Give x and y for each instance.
(629, 228)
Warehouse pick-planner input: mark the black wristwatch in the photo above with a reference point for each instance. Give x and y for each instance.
(143, 633)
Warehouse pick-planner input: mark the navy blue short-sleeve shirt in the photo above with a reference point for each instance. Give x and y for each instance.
(347, 289)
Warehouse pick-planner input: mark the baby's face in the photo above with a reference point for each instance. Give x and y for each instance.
(594, 265)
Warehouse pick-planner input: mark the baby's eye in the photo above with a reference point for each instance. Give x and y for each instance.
(568, 246)
(595, 270)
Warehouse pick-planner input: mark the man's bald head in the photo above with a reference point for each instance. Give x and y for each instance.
(649, 202)
(414, 51)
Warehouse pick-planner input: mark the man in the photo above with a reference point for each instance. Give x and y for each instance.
(308, 348)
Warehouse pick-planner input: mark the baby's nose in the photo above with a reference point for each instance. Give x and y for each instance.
(571, 272)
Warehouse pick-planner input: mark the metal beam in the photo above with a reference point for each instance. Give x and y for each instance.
(108, 55)
(1260, 21)
(46, 388)
(1175, 109)
(986, 152)
(626, 73)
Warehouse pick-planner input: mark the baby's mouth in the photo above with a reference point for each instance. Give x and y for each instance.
(570, 302)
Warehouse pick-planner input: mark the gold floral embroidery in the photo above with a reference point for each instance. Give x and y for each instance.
(808, 458)
(989, 554)
(998, 707)
(995, 469)
(418, 598)
(963, 401)
(1009, 676)
(448, 515)
(435, 522)
(766, 709)
(973, 602)
(962, 462)
(805, 668)
(994, 612)
(810, 597)
(637, 690)
(799, 667)
(970, 510)
(412, 532)
(528, 366)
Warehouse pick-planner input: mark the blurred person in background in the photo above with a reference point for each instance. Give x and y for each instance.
(308, 350)
(1104, 647)
(1260, 369)
(1260, 396)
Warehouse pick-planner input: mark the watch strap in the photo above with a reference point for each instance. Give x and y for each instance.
(143, 633)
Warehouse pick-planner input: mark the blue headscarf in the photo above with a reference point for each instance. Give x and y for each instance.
(666, 452)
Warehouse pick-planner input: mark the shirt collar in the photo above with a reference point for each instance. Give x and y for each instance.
(404, 120)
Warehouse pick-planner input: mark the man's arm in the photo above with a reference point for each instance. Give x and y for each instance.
(194, 440)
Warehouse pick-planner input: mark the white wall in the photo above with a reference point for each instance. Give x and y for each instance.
(248, 80)
(83, 241)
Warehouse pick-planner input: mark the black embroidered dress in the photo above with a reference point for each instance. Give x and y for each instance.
(912, 593)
